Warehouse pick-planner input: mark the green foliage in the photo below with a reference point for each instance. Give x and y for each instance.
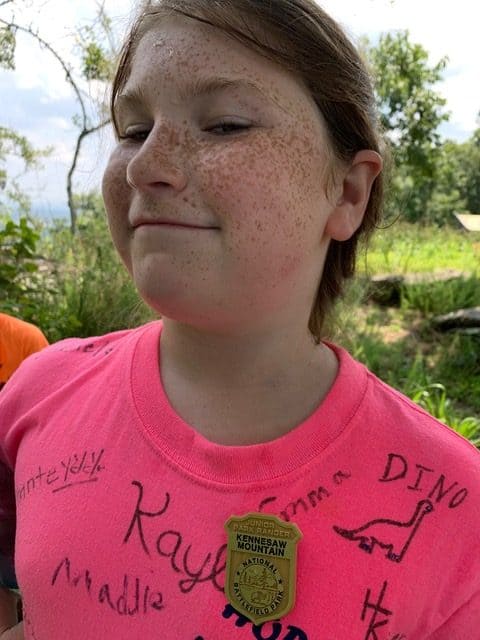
(458, 178)
(442, 297)
(7, 47)
(399, 344)
(402, 248)
(439, 372)
(96, 65)
(19, 277)
(430, 180)
(471, 170)
(97, 50)
(433, 398)
(14, 144)
(98, 60)
(411, 112)
(92, 292)
(68, 286)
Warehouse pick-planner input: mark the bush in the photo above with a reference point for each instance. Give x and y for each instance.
(442, 297)
(67, 285)
(92, 292)
(20, 280)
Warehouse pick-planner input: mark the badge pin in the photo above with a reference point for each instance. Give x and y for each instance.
(261, 570)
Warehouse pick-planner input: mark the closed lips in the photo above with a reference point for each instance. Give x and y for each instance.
(173, 223)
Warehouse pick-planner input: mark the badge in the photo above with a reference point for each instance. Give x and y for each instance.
(261, 570)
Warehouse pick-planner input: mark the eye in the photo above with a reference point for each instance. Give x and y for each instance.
(134, 134)
(226, 127)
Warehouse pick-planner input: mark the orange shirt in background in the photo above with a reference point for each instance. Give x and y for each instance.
(18, 340)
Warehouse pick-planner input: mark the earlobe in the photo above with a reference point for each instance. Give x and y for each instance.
(352, 201)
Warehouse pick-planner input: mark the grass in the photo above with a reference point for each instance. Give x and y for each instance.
(439, 371)
(436, 298)
(434, 399)
(403, 248)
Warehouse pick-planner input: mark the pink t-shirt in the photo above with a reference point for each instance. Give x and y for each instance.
(121, 507)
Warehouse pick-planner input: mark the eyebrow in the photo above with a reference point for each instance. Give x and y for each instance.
(200, 87)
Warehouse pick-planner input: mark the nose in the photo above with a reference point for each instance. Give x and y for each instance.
(156, 164)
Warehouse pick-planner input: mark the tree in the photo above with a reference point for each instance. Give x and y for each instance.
(18, 237)
(448, 194)
(14, 144)
(458, 179)
(470, 185)
(411, 113)
(96, 65)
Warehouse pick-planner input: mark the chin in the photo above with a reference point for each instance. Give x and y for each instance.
(167, 298)
(192, 311)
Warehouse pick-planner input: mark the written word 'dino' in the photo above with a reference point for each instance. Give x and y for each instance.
(419, 478)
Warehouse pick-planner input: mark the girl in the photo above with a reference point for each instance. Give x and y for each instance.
(225, 473)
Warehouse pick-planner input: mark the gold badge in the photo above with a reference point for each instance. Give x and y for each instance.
(261, 566)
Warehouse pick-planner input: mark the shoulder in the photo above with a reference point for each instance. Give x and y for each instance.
(394, 422)
(68, 363)
(59, 374)
(59, 359)
(409, 420)
(402, 456)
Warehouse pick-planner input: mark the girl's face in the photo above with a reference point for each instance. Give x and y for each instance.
(215, 191)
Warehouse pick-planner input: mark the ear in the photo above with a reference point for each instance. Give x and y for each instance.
(351, 202)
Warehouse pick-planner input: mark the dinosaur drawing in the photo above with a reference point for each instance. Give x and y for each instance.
(392, 535)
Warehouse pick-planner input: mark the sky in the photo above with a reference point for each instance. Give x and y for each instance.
(38, 103)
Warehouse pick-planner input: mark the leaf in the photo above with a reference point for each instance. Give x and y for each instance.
(96, 65)
(7, 47)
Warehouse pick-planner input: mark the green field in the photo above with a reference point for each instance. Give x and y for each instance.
(403, 248)
(440, 371)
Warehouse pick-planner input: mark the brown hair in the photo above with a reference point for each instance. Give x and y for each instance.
(301, 37)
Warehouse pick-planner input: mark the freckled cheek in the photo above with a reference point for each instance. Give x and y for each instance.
(115, 190)
(290, 266)
(116, 196)
(249, 188)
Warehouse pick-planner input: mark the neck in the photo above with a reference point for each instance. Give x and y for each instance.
(248, 388)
